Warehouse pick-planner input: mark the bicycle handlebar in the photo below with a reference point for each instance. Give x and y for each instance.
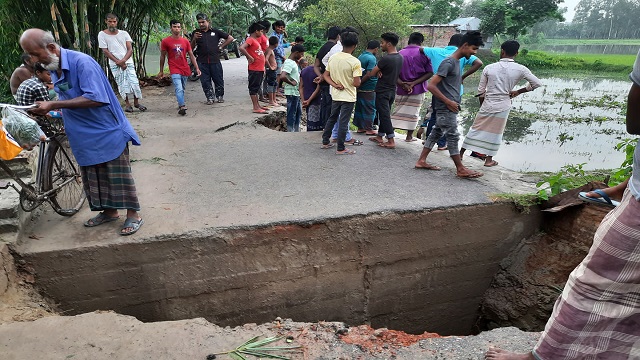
(22, 107)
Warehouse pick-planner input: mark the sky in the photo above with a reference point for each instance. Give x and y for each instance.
(570, 5)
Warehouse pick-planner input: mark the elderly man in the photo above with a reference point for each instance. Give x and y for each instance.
(97, 129)
(206, 42)
(116, 46)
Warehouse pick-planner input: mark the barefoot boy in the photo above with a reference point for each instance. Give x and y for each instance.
(343, 75)
(270, 71)
(290, 76)
(445, 86)
(255, 56)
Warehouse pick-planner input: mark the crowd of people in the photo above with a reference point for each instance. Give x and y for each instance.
(598, 313)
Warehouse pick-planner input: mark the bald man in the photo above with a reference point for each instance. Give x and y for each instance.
(97, 128)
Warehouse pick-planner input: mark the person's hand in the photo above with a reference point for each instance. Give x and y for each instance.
(453, 106)
(513, 93)
(198, 72)
(160, 75)
(379, 75)
(123, 66)
(250, 59)
(305, 103)
(42, 107)
(339, 86)
(318, 79)
(197, 35)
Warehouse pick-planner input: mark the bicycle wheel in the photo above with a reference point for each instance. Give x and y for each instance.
(62, 172)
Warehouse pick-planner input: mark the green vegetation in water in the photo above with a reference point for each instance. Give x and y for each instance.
(571, 119)
(540, 60)
(605, 101)
(592, 41)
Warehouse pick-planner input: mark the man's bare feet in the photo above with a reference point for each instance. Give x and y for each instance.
(468, 174)
(377, 139)
(499, 354)
(426, 166)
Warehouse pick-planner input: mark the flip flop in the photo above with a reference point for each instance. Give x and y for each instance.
(100, 219)
(128, 109)
(492, 163)
(346, 152)
(328, 146)
(141, 107)
(261, 111)
(412, 140)
(133, 224)
(472, 175)
(604, 199)
(354, 142)
(428, 167)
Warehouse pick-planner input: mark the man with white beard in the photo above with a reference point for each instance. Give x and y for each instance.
(97, 128)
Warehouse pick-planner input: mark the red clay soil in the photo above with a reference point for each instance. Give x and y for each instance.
(375, 341)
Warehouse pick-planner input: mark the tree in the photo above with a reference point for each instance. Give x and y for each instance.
(370, 17)
(514, 17)
(437, 11)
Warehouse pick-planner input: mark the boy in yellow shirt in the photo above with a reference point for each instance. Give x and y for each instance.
(343, 75)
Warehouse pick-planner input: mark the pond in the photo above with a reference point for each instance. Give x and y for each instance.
(567, 121)
(588, 49)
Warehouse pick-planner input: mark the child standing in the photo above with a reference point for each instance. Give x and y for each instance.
(290, 75)
(255, 56)
(343, 75)
(445, 87)
(270, 71)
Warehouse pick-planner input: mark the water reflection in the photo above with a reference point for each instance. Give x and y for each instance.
(568, 121)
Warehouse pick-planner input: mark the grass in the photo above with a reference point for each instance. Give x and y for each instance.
(616, 65)
(592, 42)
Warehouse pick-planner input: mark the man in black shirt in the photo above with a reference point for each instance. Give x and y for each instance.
(390, 66)
(333, 34)
(205, 41)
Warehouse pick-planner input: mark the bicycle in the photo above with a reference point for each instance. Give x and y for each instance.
(58, 180)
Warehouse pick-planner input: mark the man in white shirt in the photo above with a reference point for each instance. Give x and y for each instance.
(116, 46)
(496, 91)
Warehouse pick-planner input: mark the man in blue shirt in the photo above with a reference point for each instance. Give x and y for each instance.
(365, 111)
(96, 127)
(437, 55)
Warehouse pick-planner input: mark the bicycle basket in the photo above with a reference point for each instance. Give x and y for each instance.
(22, 127)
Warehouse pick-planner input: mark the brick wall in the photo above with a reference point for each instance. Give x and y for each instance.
(434, 35)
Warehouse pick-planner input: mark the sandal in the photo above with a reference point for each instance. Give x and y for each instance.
(328, 146)
(128, 109)
(354, 142)
(346, 152)
(100, 219)
(141, 107)
(133, 224)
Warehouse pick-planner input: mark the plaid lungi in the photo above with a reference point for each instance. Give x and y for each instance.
(485, 135)
(127, 81)
(598, 313)
(407, 111)
(110, 185)
(365, 110)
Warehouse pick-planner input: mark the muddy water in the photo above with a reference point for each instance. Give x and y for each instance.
(561, 124)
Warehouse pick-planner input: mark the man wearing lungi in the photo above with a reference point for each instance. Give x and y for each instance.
(97, 129)
(496, 91)
(598, 314)
(365, 111)
(116, 46)
(416, 70)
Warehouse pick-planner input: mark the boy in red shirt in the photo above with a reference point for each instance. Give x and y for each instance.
(175, 47)
(254, 53)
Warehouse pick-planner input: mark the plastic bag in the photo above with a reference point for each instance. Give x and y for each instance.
(9, 148)
(23, 129)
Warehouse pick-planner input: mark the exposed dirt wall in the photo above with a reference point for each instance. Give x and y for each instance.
(531, 279)
(419, 271)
